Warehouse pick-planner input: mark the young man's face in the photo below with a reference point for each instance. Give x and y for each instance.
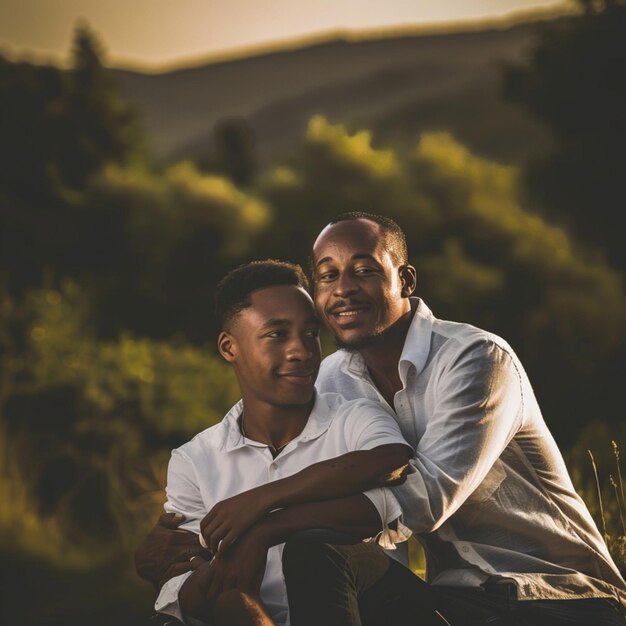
(274, 346)
(359, 291)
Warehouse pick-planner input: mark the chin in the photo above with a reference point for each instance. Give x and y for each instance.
(300, 399)
(359, 343)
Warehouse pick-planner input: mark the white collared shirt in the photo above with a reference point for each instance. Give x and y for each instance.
(490, 494)
(220, 462)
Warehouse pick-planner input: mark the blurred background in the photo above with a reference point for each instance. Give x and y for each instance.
(149, 147)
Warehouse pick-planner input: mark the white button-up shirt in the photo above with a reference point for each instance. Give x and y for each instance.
(490, 494)
(220, 462)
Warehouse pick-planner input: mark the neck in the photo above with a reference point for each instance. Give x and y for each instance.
(382, 360)
(274, 425)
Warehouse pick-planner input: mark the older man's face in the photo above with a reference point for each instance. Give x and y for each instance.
(359, 290)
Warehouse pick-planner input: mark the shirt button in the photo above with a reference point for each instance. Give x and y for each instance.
(465, 549)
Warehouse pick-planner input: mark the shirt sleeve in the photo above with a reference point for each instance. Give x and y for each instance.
(478, 410)
(393, 529)
(167, 600)
(183, 496)
(369, 425)
(183, 493)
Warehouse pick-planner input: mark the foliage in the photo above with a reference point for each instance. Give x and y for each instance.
(161, 242)
(480, 255)
(86, 424)
(59, 126)
(234, 153)
(600, 482)
(573, 81)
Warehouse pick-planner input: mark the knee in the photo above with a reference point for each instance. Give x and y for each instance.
(315, 553)
(312, 542)
(300, 555)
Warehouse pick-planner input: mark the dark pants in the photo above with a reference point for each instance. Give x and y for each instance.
(335, 580)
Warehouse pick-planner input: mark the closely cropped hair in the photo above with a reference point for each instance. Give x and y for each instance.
(396, 240)
(232, 294)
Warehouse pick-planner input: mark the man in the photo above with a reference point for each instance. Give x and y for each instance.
(270, 337)
(506, 536)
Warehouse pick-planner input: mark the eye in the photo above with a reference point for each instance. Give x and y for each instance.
(326, 276)
(314, 332)
(276, 334)
(364, 271)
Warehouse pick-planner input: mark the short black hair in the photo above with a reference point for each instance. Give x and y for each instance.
(394, 235)
(232, 294)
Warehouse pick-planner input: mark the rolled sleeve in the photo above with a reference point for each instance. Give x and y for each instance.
(390, 512)
(167, 600)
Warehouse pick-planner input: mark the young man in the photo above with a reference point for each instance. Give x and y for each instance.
(280, 427)
(507, 538)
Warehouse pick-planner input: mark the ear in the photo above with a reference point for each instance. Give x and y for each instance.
(408, 279)
(226, 346)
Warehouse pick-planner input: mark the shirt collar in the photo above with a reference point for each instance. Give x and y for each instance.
(417, 343)
(414, 352)
(317, 424)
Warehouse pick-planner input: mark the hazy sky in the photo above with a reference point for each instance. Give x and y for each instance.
(154, 32)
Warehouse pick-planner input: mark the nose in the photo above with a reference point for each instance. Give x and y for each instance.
(344, 285)
(301, 349)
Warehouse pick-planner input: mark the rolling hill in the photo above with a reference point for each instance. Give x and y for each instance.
(396, 86)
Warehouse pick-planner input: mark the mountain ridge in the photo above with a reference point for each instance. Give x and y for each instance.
(362, 83)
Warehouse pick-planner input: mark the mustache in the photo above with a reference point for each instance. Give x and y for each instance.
(345, 303)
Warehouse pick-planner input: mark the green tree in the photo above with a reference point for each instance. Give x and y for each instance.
(234, 151)
(574, 82)
(481, 257)
(103, 126)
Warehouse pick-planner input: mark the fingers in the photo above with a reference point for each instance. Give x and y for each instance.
(196, 561)
(185, 555)
(171, 520)
(208, 528)
(212, 535)
(225, 543)
(214, 542)
(184, 538)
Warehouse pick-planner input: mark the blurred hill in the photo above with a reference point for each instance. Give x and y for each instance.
(397, 87)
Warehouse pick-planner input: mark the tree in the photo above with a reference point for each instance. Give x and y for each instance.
(103, 126)
(574, 82)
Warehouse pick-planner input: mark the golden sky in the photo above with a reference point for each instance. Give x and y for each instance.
(156, 32)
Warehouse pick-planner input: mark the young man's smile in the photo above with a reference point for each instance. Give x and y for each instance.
(274, 346)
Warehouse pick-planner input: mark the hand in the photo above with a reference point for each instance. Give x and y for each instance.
(231, 518)
(166, 550)
(241, 567)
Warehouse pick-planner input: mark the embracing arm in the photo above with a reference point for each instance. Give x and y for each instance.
(242, 565)
(345, 475)
(479, 408)
(166, 550)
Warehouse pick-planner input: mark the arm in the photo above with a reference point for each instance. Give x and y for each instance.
(348, 474)
(242, 565)
(183, 498)
(166, 550)
(477, 410)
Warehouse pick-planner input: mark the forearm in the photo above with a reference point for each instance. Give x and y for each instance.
(354, 515)
(349, 474)
(192, 597)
